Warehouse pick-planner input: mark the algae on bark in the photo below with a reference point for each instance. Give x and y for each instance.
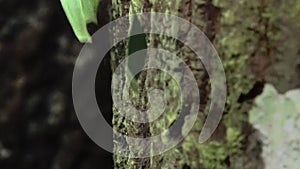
(237, 32)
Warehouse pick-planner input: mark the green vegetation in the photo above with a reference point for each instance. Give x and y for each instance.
(80, 13)
(248, 36)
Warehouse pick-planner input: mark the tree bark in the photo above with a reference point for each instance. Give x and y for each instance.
(225, 148)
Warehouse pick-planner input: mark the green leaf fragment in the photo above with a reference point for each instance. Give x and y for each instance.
(80, 13)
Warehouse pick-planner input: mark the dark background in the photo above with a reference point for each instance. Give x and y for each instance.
(38, 126)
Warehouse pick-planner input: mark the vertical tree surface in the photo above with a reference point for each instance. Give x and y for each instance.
(257, 42)
(245, 34)
(222, 148)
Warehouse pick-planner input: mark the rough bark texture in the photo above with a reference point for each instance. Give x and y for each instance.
(38, 125)
(222, 151)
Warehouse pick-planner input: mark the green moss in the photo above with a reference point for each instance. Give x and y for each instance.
(243, 30)
(235, 44)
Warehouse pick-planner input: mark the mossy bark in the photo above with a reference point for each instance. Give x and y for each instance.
(228, 147)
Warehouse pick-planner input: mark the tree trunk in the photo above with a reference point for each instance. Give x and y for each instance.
(228, 146)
